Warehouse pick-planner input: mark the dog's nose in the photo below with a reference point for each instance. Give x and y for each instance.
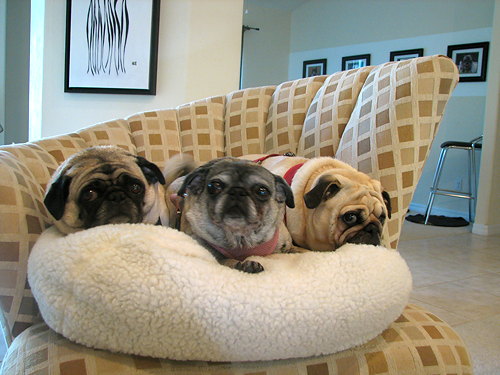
(116, 196)
(238, 191)
(372, 230)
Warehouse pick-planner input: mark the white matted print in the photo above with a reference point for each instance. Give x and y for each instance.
(112, 46)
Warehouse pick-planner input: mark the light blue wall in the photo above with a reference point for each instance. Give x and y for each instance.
(332, 23)
(266, 51)
(17, 50)
(335, 28)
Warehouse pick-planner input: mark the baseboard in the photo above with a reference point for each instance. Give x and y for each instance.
(420, 209)
(486, 230)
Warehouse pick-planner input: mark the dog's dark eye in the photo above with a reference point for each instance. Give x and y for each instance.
(382, 218)
(89, 195)
(350, 218)
(261, 192)
(215, 187)
(135, 188)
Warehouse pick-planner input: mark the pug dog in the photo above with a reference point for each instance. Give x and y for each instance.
(107, 185)
(235, 209)
(334, 203)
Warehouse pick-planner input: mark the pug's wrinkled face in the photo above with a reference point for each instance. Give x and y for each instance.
(234, 203)
(351, 209)
(102, 185)
(112, 195)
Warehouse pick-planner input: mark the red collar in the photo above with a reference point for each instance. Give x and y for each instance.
(241, 253)
(290, 174)
(260, 160)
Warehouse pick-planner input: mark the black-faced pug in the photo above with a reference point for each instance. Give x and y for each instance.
(105, 185)
(235, 209)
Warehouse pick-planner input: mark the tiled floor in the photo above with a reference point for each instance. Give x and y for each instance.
(456, 275)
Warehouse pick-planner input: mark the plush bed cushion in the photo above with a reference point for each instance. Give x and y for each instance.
(153, 291)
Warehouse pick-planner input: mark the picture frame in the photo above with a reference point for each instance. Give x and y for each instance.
(311, 68)
(354, 62)
(471, 60)
(406, 54)
(119, 56)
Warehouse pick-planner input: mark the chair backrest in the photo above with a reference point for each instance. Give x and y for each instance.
(381, 120)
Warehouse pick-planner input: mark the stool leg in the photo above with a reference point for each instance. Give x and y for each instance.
(435, 182)
(474, 182)
(470, 168)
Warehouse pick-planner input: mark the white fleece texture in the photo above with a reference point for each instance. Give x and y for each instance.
(153, 291)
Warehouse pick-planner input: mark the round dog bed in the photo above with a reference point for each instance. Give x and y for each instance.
(153, 291)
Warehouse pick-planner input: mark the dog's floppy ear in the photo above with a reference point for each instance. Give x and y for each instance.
(387, 201)
(326, 188)
(150, 170)
(194, 181)
(55, 198)
(284, 191)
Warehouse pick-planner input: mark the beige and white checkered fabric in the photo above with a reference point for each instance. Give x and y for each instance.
(330, 111)
(156, 135)
(246, 117)
(287, 114)
(115, 132)
(382, 120)
(417, 343)
(201, 128)
(393, 124)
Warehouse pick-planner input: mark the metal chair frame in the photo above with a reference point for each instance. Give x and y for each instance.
(471, 148)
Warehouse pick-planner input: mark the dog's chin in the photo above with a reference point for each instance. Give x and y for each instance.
(123, 219)
(238, 225)
(118, 219)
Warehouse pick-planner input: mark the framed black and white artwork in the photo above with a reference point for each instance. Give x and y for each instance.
(311, 68)
(354, 62)
(471, 60)
(406, 54)
(112, 46)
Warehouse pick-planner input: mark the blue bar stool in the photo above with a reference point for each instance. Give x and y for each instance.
(471, 148)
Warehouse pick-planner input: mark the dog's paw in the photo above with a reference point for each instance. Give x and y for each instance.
(249, 266)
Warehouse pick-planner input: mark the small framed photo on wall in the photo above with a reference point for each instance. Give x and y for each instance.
(406, 54)
(354, 62)
(471, 60)
(313, 68)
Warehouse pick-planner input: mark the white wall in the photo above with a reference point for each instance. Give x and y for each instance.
(3, 29)
(266, 52)
(199, 56)
(488, 204)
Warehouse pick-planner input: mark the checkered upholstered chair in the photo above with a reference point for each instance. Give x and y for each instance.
(381, 120)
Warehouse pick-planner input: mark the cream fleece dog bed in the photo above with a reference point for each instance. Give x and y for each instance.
(153, 291)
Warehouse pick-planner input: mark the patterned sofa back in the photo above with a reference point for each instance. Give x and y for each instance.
(381, 120)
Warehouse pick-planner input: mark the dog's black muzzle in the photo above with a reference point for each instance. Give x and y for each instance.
(369, 235)
(237, 203)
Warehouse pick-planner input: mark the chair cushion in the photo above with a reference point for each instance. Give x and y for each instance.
(153, 291)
